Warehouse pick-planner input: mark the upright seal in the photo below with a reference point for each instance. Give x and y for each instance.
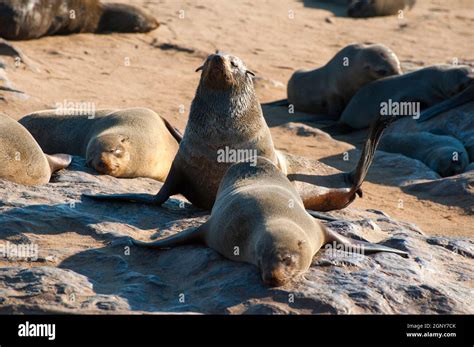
(225, 123)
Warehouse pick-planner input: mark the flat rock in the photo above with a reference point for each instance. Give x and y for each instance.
(85, 263)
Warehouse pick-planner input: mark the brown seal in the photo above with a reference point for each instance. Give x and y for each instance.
(446, 85)
(22, 159)
(259, 218)
(328, 89)
(23, 20)
(226, 118)
(443, 154)
(133, 142)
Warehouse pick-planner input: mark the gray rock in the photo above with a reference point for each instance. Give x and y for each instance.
(90, 266)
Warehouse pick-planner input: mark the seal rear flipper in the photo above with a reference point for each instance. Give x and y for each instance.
(173, 131)
(459, 99)
(193, 235)
(360, 246)
(357, 176)
(58, 161)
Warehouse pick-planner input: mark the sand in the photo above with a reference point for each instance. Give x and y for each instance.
(274, 38)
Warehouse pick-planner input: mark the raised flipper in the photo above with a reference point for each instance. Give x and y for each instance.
(173, 131)
(188, 236)
(459, 99)
(362, 246)
(336, 199)
(170, 187)
(58, 161)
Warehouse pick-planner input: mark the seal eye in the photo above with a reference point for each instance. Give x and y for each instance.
(233, 63)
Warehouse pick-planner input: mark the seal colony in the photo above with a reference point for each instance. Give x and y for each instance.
(226, 115)
(134, 142)
(23, 161)
(251, 222)
(24, 20)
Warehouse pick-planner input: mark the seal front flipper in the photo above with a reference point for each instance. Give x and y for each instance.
(170, 187)
(193, 235)
(459, 99)
(365, 247)
(58, 161)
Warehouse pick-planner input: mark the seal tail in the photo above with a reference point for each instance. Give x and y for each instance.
(361, 247)
(459, 99)
(192, 235)
(282, 102)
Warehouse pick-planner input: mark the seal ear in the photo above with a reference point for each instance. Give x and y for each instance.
(200, 68)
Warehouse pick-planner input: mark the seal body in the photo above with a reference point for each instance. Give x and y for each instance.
(259, 218)
(442, 154)
(133, 142)
(328, 89)
(374, 8)
(25, 19)
(22, 160)
(226, 117)
(424, 88)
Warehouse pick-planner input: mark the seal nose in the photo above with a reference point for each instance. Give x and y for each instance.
(274, 278)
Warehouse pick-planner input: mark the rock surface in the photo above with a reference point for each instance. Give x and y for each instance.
(85, 264)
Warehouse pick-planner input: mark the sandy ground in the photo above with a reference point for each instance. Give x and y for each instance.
(156, 70)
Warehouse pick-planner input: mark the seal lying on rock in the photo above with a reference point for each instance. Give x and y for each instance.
(418, 89)
(134, 142)
(22, 160)
(328, 89)
(259, 218)
(24, 19)
(442, 154)
(374, 8)
(226, 119)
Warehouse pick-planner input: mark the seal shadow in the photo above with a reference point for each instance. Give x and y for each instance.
(337, 7)
(182, 279)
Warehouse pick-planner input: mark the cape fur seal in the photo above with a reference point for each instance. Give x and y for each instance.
(328, 89)
(134, 142)
(25, 19)
(374, 8)
(418, 89)
(252, 222)
(442, 154)
(226, 117)
(22, 160)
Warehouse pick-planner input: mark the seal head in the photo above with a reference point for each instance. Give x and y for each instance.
(109, 155)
